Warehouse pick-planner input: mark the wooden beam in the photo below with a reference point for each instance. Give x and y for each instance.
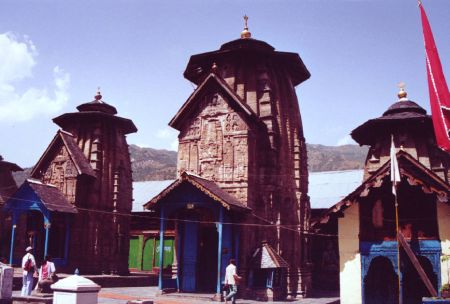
(417, 265)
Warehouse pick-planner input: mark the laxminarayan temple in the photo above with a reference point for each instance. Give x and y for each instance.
(242, 170)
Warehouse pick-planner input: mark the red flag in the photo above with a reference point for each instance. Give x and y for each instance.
(439, 94)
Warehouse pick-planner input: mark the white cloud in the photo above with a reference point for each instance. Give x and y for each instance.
(174, 145)
(346, 140)
(168, 138)
(17, 59)
(166, 133)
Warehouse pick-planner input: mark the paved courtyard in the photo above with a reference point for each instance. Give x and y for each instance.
(123, 294)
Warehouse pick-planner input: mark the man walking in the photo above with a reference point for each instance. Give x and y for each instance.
(28, 266)
(231, 280)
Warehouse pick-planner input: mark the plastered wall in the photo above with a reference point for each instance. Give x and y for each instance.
(349, 257)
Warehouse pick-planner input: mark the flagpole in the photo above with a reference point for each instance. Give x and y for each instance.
(398, 250)
(395, 178)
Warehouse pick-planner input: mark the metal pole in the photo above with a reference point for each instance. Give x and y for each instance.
(219, 252)
(47, 233)
(400, 299)
(161, 250)
(13, 232)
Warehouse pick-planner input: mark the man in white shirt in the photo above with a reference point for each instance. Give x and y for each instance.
(231, 280)
(28, 266)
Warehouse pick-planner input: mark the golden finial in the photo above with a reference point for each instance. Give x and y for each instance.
(245, 34)
(402, 93)
(99, 95)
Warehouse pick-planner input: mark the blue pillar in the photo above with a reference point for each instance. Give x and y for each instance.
(13, 232)
(161, 250)
(66, 240)
(47, 232)
(178, 252)
(219, 251)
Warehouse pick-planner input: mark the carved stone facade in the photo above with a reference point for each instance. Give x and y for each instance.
(241, 128)
(215, 145)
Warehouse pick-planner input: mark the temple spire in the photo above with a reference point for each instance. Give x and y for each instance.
(245, 34)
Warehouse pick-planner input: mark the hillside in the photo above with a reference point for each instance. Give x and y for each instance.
(335, 158)
(153, 164)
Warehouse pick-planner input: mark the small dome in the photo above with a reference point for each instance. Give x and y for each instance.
(407, 106)
(97, 105)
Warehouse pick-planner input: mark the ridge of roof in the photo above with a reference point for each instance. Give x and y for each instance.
(76, 155)
(208, 187)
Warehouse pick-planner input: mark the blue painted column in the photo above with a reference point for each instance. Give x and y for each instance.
(178, 252)
(13, 232)
(219, 251)
(66, 240)
(161, 250)
(47, 232)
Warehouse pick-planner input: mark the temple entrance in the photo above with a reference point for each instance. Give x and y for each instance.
(413, 287)
(381, 283)
(198, 255)
(207, 258)
(35, 234)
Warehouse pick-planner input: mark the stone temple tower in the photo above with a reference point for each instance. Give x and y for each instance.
(242, 129)
(95, 141)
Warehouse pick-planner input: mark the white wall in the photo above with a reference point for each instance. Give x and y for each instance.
(349, 257)
(443, 216)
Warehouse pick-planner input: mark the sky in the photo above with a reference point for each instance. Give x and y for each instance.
(54, 55)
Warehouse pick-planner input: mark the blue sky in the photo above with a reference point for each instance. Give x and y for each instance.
(54, 54)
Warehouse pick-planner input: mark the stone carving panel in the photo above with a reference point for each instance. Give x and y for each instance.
(214, 142)
(62, 173)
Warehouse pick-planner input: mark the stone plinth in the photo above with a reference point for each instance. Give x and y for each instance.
(6, 279)
(75, 290)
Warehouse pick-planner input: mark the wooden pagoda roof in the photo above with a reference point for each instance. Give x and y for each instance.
(200, 64)
(400, 114)
(410, 168)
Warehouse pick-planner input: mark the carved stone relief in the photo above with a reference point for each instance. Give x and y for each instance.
(214, 143)
(62, 173)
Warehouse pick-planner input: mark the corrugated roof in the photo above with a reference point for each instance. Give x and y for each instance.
(327, 188)
(144, 191)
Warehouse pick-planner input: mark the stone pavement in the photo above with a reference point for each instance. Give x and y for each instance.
(120, 295)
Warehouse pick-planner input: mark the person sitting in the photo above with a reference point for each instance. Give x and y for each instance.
(47, 276)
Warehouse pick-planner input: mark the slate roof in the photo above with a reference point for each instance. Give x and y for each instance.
(208, 187)
(266, 257)
(51, 197)
(212, 79)
(35, 192)
(76, 155)
(412, 169)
